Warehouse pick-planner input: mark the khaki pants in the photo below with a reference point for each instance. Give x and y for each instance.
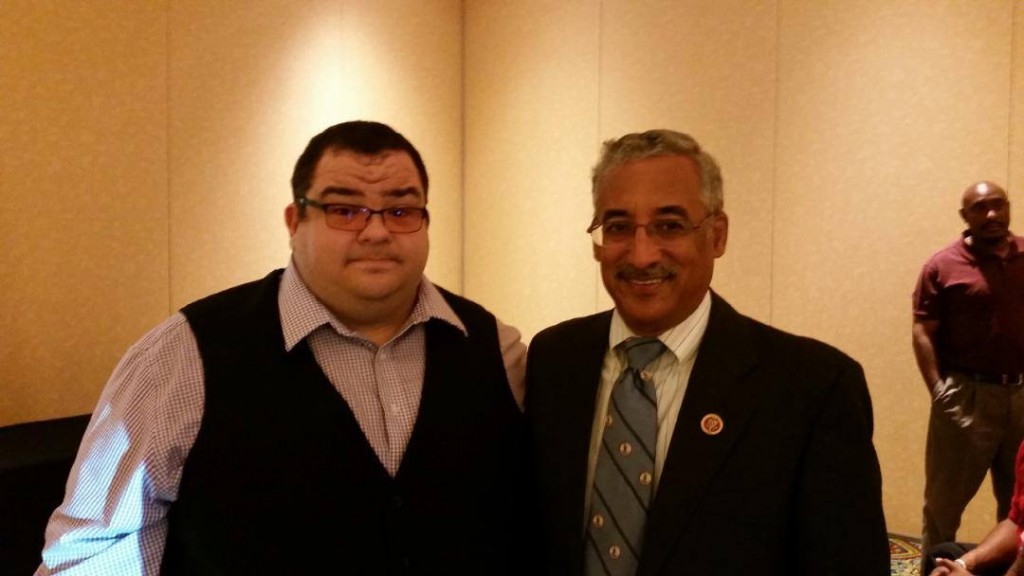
(974, 427)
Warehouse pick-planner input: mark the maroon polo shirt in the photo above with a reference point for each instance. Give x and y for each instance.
(978, 300)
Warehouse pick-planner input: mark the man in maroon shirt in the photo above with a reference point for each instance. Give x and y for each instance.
(968, 338)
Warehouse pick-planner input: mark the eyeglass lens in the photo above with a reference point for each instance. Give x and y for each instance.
(400, 219)
(662, 230)
(358, 217)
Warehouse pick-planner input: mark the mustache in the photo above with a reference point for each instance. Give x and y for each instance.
(657, 272)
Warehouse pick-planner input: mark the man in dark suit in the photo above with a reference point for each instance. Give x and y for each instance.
(761, 460)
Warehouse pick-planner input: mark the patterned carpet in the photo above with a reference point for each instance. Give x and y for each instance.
(906, 555)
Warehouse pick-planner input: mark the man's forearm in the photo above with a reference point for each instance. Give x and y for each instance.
(923, 339)
(998, 548)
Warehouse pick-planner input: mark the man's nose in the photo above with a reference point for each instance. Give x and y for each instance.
(375, 228)
(644, 250)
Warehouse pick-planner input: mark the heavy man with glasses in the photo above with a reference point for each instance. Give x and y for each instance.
(672, 434)
(342, 416)
(968, 338)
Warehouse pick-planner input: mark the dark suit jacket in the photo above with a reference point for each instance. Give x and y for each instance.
(790, 486)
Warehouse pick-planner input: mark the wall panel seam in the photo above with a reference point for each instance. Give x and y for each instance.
(463, 224)
(599, 284)
(167, 153)
(1010, 107)
(774, 164)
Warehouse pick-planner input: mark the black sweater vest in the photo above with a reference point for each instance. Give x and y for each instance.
(281, 480)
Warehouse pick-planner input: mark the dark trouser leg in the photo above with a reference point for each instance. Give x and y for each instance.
(950, 550)
(967, 424)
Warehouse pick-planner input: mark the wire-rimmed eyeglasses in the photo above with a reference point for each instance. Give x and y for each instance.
(663, 231)
(353, 218)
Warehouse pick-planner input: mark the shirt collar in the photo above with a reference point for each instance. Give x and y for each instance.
(1016, 245)
(682, 339)
(302, 313)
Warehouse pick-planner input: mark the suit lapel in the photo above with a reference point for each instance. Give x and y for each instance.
(719, 384)
(568, 376)
(585, 373)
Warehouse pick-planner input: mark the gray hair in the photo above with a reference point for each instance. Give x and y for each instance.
(638, 146)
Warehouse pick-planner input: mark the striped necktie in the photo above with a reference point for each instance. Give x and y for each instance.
(623, 480)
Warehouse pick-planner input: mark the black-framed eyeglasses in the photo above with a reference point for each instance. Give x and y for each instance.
(662, 231)
(353, 218)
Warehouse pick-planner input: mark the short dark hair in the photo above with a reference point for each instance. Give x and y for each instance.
(360, 136)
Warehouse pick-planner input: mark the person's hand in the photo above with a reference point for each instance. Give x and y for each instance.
(947, 567)
(1018, 565)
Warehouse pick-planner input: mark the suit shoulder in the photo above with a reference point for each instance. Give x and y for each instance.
(789, 347)
(573, 328)
(809, 372)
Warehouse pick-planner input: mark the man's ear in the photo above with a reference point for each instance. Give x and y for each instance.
(291, 218)
(720, 234)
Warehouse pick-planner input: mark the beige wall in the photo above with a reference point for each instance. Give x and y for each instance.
(884, 115)
(531, 102)
(250, 83)
(144, 160)
(83, 197)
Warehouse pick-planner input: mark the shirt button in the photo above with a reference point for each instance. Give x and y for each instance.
(645, 478)
(598, 521)
(608, 421)
(625, 448)
(614, 552)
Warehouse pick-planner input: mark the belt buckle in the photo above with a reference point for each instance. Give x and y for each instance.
(1013, 379)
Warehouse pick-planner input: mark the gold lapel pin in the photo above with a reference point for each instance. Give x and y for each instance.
(711, 424)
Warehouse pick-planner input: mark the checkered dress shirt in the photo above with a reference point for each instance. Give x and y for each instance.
(113, 519)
